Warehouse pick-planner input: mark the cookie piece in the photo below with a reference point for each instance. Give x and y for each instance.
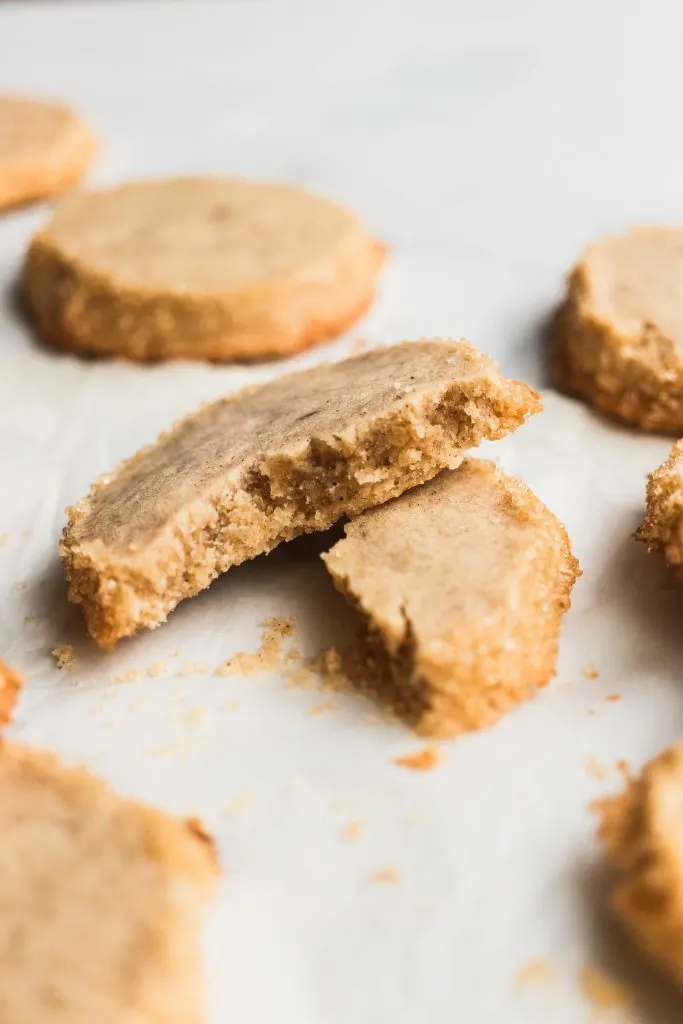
(10, 685)
(662, 528)
(194, 268)
(641, 831)
(101, 901)
(619, 337)
(460, 586)
(273, 462)
(45, 148)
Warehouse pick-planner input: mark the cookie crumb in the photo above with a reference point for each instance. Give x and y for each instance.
(320, 709)
(65, 656)
(129, 676)
(612, 698)
(195, 716)
(594, 768)
(624, 769)
(329, 664)
(5, 539)
(193, 668)
(387, 874)
(422, 761)
(601, 990)
(300, 678)
(155, 670)
(267, 658)
(590, 712)
(29, 618)
(351, 830)
(590, 672)
(538, 971)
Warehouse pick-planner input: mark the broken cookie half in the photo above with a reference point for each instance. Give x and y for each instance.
(460, 586)
(641, 832)
(101, 901)
(272, 462)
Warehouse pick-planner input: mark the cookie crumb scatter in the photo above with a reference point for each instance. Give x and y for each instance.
(155, 670)
(612, 698)
(601, 990)
(65, 656)
(387, 874)
(594, 768)
(422, 761)
(590, 672)
(267, 658)
(131, 675)
(538, 971)
(351, 830)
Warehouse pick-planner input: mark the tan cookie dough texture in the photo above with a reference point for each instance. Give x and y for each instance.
(460, 586)
(45, 148)
(272, 462)
(619, 336)
(662, 528)
(101, 901)
(643, 833)
(211, 268)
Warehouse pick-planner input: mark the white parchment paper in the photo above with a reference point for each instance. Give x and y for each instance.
(485, 143)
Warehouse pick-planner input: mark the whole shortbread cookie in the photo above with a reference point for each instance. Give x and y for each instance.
(10, 685)
(662, 528)
(619, 336)
(641, 830)
(44, 149)
(101, 901)
(460, 586)
(273, 462)
(211, 268)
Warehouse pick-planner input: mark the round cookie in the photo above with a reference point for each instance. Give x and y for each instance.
(44, 149)
(199, 268)
(618, 339)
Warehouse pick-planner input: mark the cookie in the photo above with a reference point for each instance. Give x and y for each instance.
(45, 148)
(199, 268)
(272, 462)
(101, 900)
(10, 685)
(662, 528)
(460, 587)
(619, 337)
(640, 829)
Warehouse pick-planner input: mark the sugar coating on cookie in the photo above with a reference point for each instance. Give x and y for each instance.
(101, 900)
(10, 685)
(272, 462)
(641, 829)
(199, 268)
(618, 338)
(460, 586)
(662, 527)
(45, 148)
